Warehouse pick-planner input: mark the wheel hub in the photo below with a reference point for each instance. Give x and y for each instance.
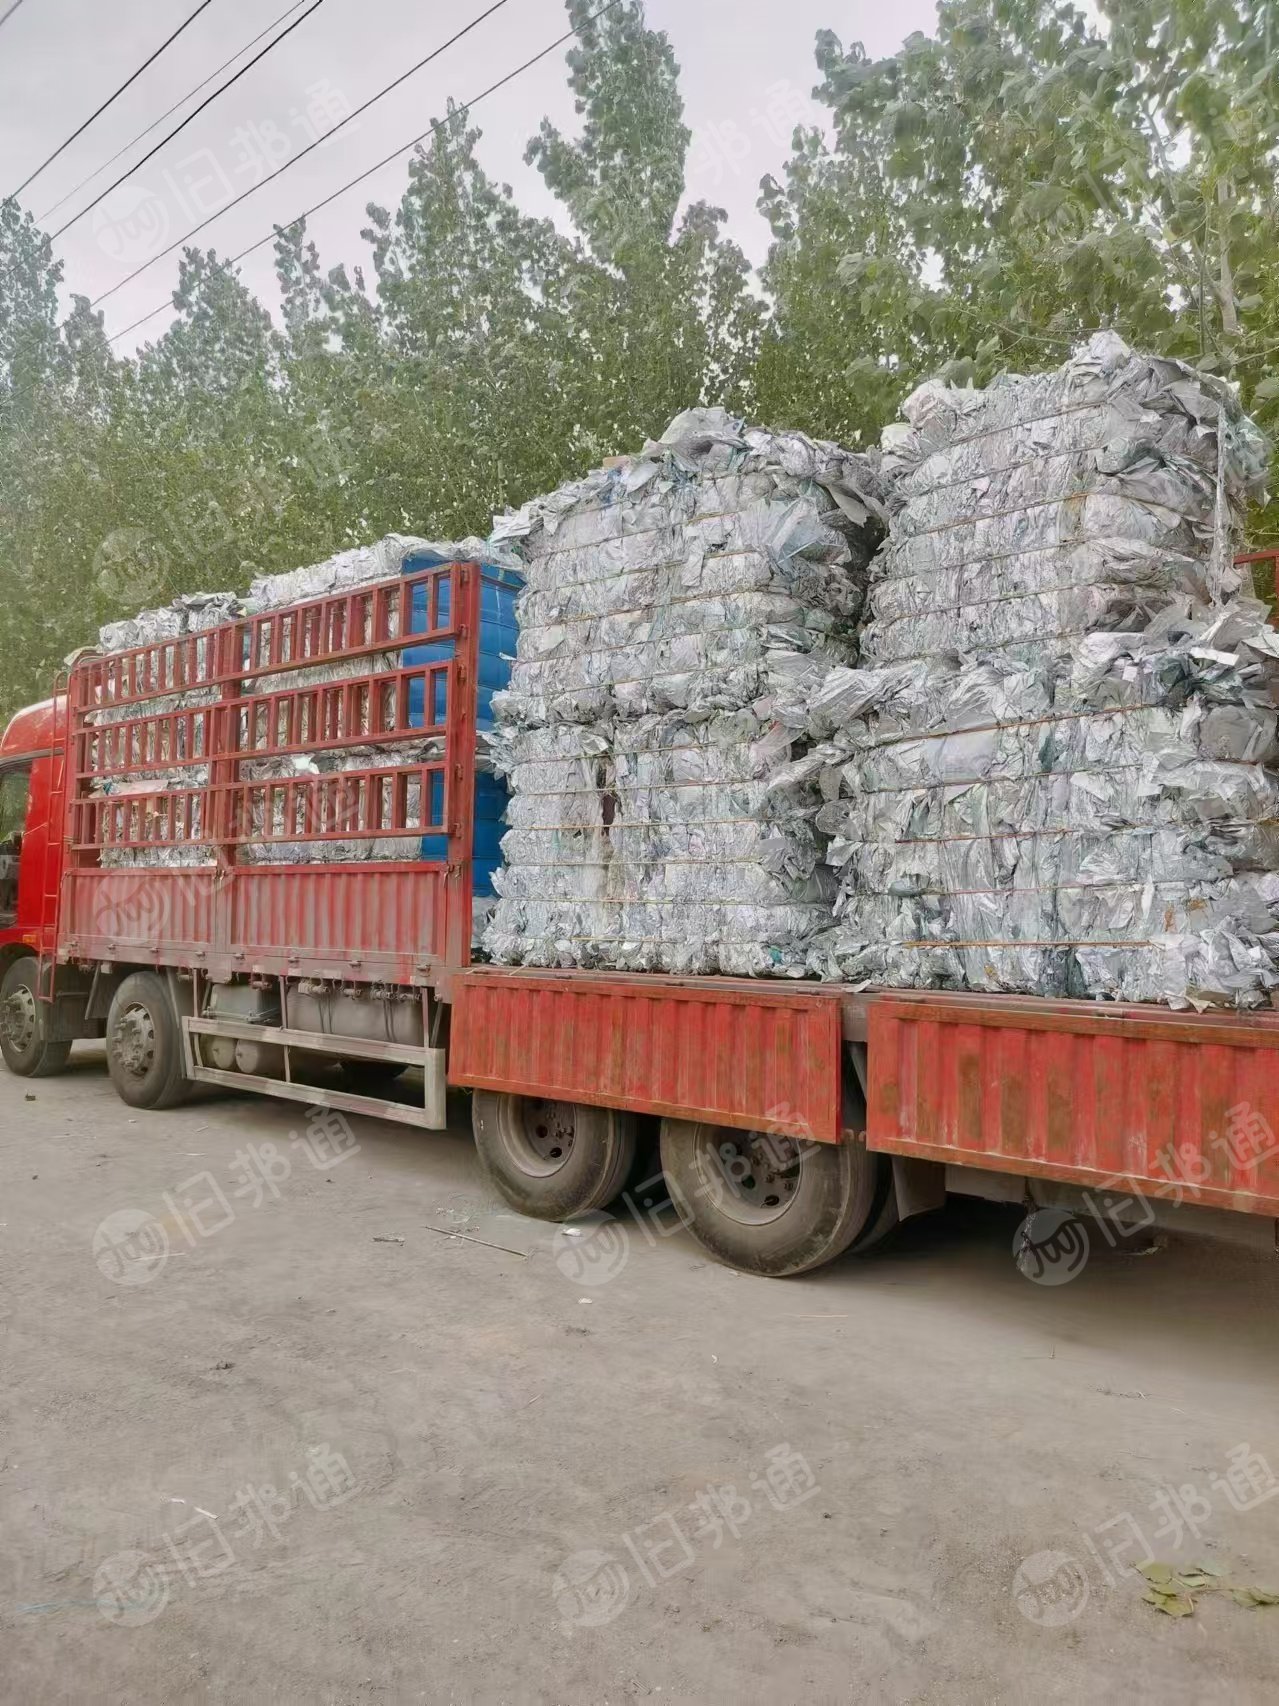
(134, 1041)
(19, 1019)
(540, 1138)
(752, 1175)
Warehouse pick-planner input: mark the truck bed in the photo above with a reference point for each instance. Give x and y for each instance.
(1120, 1099)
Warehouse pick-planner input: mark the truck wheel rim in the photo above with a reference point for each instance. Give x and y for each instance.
(750, 1176)
(134, 1042)
(540, 1135)
(20, 1019)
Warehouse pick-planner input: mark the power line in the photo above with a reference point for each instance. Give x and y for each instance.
(193, 114)
(10, 12)
(254, 188)
(167, 113)
(431, 130)
(128, 80)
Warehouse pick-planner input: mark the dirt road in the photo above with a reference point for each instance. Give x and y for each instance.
(286, 1420)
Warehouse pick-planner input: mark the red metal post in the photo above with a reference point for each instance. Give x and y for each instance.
(459, 789)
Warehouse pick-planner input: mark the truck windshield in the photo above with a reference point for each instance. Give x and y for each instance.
(14, 784)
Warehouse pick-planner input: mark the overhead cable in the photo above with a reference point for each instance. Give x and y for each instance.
(63, 146)
(193, 114)
(350, 184)
(301, 154)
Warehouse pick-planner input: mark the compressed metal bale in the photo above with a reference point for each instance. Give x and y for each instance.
(661, 583)
(657, 844)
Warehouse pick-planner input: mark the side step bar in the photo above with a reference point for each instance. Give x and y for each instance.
(430, 1116)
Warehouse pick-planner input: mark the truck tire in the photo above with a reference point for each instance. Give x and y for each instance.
(769, 1204)
(883, 1223)
(552, 1160)
(144, 1044)
(24, 1041)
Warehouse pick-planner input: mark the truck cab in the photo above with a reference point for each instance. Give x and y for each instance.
(31, 766)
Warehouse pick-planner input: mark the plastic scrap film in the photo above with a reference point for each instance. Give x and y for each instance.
(659, 843)
(663, 596)
(1051, 773)
(197, 613)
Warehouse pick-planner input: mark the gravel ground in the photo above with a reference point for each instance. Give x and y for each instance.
(281, 1421)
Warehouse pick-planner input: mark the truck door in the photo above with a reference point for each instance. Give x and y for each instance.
(15, 789)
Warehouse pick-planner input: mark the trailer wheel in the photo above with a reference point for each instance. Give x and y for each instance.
(552, 1160)
(766, 1203)
(24, 1040)
(144, 1044)
(883, 1223)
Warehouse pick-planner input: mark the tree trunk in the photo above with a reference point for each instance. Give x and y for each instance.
(1229, 313)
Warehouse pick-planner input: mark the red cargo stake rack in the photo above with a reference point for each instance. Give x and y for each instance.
(396, 921)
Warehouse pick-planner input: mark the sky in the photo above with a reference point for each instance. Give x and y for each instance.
(747, 73)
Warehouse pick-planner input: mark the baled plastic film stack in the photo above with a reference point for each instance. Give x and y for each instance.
(1051, 773)
(647, 830)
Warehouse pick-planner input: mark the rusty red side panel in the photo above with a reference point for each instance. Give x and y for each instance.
(735, 1053)
(1182, 1105)
(384, 922)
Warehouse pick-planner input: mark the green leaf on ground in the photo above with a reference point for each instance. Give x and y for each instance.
(1173, 1604)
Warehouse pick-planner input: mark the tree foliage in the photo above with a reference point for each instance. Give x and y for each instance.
(979, 200)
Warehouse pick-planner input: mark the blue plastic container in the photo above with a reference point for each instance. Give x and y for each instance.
(499, 589)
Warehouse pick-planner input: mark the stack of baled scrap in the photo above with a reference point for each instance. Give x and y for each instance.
(1051, 774)
(648, 829)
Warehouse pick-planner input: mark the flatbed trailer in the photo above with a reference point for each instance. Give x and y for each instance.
(798, 1119)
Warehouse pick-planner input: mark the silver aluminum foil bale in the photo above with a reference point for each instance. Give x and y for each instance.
(661, 843)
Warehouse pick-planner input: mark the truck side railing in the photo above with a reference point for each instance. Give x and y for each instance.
(227, 772)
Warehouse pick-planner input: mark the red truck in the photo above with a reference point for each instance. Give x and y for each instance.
(797, 1119)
